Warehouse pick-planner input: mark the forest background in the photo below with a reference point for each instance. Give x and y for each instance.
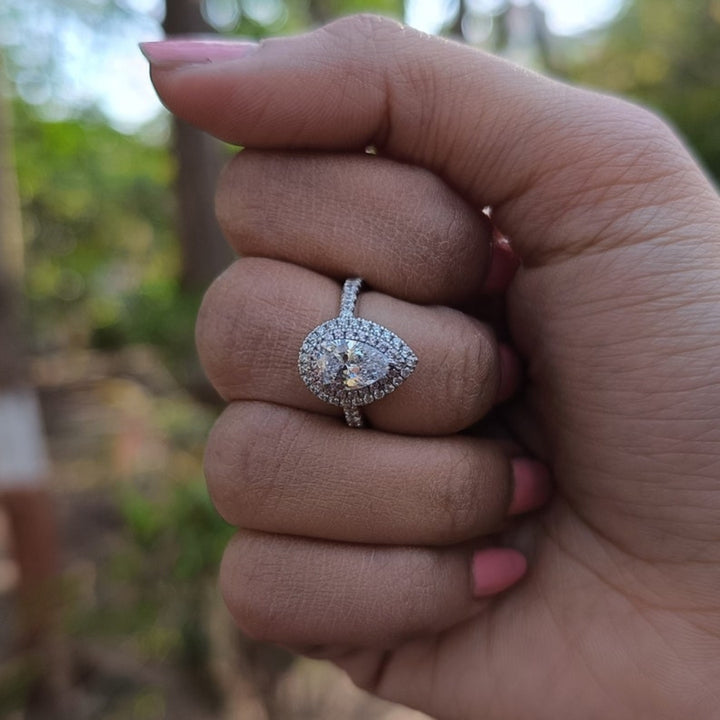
(117, 242)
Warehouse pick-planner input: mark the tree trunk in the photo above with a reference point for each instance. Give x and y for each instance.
(12, 367)
(456, 28)
(24, 464)
(11, 243)
(200, 158)
(320, 12)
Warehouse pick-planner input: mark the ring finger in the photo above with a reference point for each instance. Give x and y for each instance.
(254, 319)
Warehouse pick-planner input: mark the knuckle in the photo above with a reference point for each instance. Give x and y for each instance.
(648, 136)
(267, 461)
(644, 120)
(476, 377)
(227, 462)
(363, 25)
(472, 495)
(219, 466)
(249, 197)
(245, 469)
(457, 497)
(255, 616)
(634, 136)
(250, 582)
(447, 234)
(234, 314)
(459, 254)
(418, 585)
(215, 329)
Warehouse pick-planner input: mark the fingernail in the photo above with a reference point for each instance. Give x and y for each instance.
(496, 569)
(194, 51)
(510, 372)
(531, 485)
(504, 262)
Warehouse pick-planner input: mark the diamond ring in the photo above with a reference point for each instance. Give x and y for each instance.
(350, 361)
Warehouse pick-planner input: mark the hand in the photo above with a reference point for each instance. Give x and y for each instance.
(615, 312)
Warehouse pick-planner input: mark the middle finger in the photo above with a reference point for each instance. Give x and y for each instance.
(400, 227)
(285, 471)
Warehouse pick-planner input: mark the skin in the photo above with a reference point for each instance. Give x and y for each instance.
(614, 312)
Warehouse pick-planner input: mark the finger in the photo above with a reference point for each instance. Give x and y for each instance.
(561, 167)
(255, 317)
(280, 470)
(398, 227)
(300, 592)
(503, 265)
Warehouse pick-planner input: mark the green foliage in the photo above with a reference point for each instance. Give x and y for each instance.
(158, 313)
(338, 8)
(143, 518)
(172, 518)
(666, 53)
(187, 528)
(203, 535)
(17, 680)
(98, 211)
(162, 576)
(264, 19)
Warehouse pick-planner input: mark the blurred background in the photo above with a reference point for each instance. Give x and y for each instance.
(109, 545)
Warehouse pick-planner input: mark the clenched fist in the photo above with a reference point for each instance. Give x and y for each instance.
(403, 552)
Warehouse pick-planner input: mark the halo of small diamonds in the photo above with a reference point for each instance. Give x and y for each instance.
(351, 361)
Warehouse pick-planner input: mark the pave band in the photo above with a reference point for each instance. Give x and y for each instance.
(350, 292)
(351, 362)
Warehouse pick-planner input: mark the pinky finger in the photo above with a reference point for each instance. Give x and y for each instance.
(301, 592)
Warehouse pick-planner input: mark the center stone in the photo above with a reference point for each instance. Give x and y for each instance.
(351, 364)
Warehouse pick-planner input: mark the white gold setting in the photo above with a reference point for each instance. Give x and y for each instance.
(351, 362)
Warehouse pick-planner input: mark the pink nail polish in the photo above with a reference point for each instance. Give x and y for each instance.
(504, 263)
(496, 569)
(510, 373)
(531, 485)
(175, 53)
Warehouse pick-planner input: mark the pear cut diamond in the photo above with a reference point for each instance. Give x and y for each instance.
(352, 364)
(351, 361)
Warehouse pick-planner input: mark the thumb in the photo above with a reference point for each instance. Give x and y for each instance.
(558, 165)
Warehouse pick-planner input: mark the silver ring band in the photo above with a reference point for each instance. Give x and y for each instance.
(351, 362)
(348, 300)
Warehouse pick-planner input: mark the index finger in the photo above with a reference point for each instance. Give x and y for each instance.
(541, 153)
